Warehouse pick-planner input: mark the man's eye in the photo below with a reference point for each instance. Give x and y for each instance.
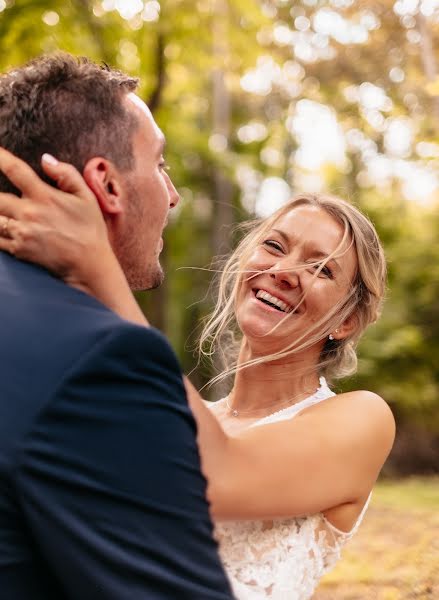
(164, 166)
(273, 244)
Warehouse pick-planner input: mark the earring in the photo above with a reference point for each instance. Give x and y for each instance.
(330, 337)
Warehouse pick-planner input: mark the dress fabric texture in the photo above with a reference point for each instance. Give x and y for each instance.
(281, 559)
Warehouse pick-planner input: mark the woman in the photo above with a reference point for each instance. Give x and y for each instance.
(290, 465)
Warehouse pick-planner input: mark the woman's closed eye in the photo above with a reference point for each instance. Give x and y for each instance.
(273, 244)
(324, 271)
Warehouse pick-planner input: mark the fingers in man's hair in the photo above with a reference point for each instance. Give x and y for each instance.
(49, 159)
(66, 176)
(20, 174)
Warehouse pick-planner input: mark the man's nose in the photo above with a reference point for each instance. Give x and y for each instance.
(174, 196)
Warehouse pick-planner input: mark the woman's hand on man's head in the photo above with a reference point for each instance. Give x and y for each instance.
(61, 228)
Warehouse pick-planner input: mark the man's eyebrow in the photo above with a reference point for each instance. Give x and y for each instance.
(162, 145)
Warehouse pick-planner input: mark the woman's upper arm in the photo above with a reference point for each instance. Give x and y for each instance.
(329, 455)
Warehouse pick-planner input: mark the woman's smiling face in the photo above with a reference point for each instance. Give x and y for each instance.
(285, 286)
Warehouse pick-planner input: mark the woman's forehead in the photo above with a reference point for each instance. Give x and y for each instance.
(310, 223)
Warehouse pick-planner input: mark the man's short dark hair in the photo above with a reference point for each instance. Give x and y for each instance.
(69, 107)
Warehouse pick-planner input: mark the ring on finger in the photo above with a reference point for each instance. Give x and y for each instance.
(4, 231)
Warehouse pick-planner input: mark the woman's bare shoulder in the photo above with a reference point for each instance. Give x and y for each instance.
(362, 414)
(363, 404)
(357, 403)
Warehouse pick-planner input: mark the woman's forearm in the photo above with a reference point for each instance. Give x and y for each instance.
(213, 444)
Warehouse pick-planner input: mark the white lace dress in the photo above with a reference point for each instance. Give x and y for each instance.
(282, 559)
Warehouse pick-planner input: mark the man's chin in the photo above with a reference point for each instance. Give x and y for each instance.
(150, 281)
(157, 281)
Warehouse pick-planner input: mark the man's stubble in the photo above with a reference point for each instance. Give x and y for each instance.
(138, 260)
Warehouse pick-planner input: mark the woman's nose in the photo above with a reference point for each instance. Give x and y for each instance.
(285, 274)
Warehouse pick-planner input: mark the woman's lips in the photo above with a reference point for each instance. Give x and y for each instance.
(261, 296)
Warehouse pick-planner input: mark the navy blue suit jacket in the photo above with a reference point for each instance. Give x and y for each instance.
(101, 493)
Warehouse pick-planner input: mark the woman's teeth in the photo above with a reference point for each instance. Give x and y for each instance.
(272, 300)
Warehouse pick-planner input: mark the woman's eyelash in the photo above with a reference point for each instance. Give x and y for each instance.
(273, 244)
(325, 270)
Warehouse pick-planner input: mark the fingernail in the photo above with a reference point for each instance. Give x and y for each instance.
(48, 158)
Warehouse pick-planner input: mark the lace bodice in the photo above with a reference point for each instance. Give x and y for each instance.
(281, 559)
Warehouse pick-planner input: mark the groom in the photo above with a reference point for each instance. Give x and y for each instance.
(101, 493)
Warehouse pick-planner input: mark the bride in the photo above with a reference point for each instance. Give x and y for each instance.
(290, 464)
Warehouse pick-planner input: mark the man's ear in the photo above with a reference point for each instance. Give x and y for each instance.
(102, 178)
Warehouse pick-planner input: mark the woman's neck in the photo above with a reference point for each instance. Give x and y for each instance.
(273, 385)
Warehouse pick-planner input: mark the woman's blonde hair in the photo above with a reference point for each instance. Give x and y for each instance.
(362, 303)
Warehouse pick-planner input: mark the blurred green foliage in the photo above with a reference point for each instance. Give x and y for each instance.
(210, 68)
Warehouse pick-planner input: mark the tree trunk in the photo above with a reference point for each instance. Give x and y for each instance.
(223, 213)
(428, 58)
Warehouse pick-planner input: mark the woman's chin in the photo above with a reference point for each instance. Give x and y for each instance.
(261, 338)
(259, 325)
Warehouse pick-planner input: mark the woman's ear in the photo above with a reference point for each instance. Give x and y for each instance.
(103, 180)
(348, 327)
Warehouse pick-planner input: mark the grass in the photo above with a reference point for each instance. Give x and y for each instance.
(395, 554)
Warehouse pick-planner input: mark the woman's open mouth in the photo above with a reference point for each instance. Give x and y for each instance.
(272, 301)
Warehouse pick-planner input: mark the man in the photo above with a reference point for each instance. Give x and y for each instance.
(101, 493)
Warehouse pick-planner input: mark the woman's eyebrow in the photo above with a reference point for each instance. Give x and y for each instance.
(317, 253)
(283, 235)
(310, 247)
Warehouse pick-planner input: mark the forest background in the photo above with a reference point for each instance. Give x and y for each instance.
(261, 99)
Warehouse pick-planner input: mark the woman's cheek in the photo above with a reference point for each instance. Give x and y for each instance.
(252, 260)
(258, 261)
